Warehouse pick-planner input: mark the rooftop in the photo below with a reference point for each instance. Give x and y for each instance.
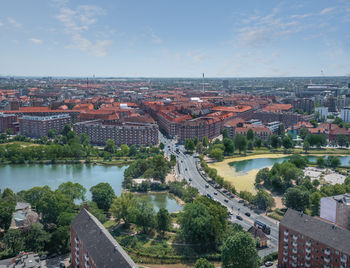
(101, 246)
(317, 229)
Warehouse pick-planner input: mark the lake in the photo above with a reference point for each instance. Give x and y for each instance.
(259, 163)
(24, 177)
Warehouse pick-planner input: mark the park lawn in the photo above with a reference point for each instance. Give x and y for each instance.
(21, 143)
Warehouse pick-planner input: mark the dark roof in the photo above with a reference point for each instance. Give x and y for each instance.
(257, 233)
(317, 229)
(101, 246)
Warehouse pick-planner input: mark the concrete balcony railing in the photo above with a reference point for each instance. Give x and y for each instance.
(343, 259)
(285, 259)
(327, 252)
(307, 257)
(286, 233)
(295, 237)
(308, 244)
(308, 250)
(294, 264)
(326, 260)
(295, 244)
(285, 253)
(285, 240)
(307, 264)
(294, 251)
(294, 258)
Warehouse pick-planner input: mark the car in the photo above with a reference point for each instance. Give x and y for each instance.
(185, 169)
(231, 213)
(43, 257)
(215, 193)
(239, 218)
(241, 201)
(226, 200)
(268, 263)
(247, 214)
(53, 255)
(62, 265)
(190, 179)
(182, 161)
(207, 185)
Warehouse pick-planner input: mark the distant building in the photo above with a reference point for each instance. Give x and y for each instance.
(345, 114)
(38, 126)
(336, 209)
(93, 246)
(8, 121)
(323, 112)
(305, 104)
(257, 233)
(23, 216)
(130, 133)
(26, 260)
(225, 84)
(332, 104)
(318, 89)
(306, 241)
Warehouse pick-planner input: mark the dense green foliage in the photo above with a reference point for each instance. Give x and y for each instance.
(203, 263)
(102, 195)
(239, 251)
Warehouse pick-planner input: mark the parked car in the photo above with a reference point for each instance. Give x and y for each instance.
(247, 214)
(268, 263)
(53, 255)
(226, 200)
(215, 193)
(239, 218)
(43, 257)
(207, 185)
(190, 179)
(241, 201)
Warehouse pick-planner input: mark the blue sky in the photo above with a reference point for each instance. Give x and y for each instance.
(174, 38)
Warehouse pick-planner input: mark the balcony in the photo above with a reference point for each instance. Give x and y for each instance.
(295, 237)
(86, 257)
(77, 261)
(326, 266)
(285, 259)
(307, 257)
(308, 250)
(294, 258)
(327, 251)
(286, 233)
(308, 243)
(294, 264)
(295, 244)
(76, 240)
(285, 253)
(285, 240)
(295, 250)
(285, 247)
(76, 248)
(326, 259)
(343, 259)
(307, 264)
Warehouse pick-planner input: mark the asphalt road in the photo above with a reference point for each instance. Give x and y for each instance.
(187, 169)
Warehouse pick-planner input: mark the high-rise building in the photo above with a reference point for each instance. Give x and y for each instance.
(306, 241)
(345, 114)
(225, 84)
(336, 209)
(332, 104)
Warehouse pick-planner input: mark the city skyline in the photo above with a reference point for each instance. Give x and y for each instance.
(168, 39)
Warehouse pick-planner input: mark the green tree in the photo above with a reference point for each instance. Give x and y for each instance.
(6, 210)
(36, 238)
(124, 149)
(264, 176)
(145, 216)
(103, 195)
(315, 199)
(66, 129)
(224, 133)
(217, 154)
(306, 146)
(199, 148)
(163, 220)
(133, 150)
(205, 141)
(161, 146)
(189, 145)
(303, 132)
(275, 141)
(343, 140)
(110, 146)
(263, 200)
(333, 161)
(250, 135)
(14, 242)
(74, 190)
(240, 142)
(321, 162)
(287, 143)
(296, 198)
(203, 263)
(229, 146)
(60, 240)
(122, 207)
(52, 133)
(257, 142)
(239, 251)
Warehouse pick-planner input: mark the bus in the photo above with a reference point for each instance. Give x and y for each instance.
(266, 229)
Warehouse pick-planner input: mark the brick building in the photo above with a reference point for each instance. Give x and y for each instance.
(306, 241)
(92, 246)
(336, 209)
(130, 133)
(8, 121)
(287, 118)
(38, 126)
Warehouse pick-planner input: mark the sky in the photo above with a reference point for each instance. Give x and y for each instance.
(175, 38)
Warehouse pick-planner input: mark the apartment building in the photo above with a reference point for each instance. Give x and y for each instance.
(336, 209)
(8, 121)
(306, 241)
(38, 126)
(130, 133)
(92, 246)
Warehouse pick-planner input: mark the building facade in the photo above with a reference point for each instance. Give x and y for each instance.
(38, 126)
(345, 114)
(336, 209)
(306, 241)
(92, 246)
(139, 134)
(8, 121)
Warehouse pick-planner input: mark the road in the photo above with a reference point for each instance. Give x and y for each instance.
(188, 168)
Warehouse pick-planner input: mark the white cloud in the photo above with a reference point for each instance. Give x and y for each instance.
(77, 23)
(326, 10)
(153, 36)
(14, 23)
(301, 16)
(35, 40)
